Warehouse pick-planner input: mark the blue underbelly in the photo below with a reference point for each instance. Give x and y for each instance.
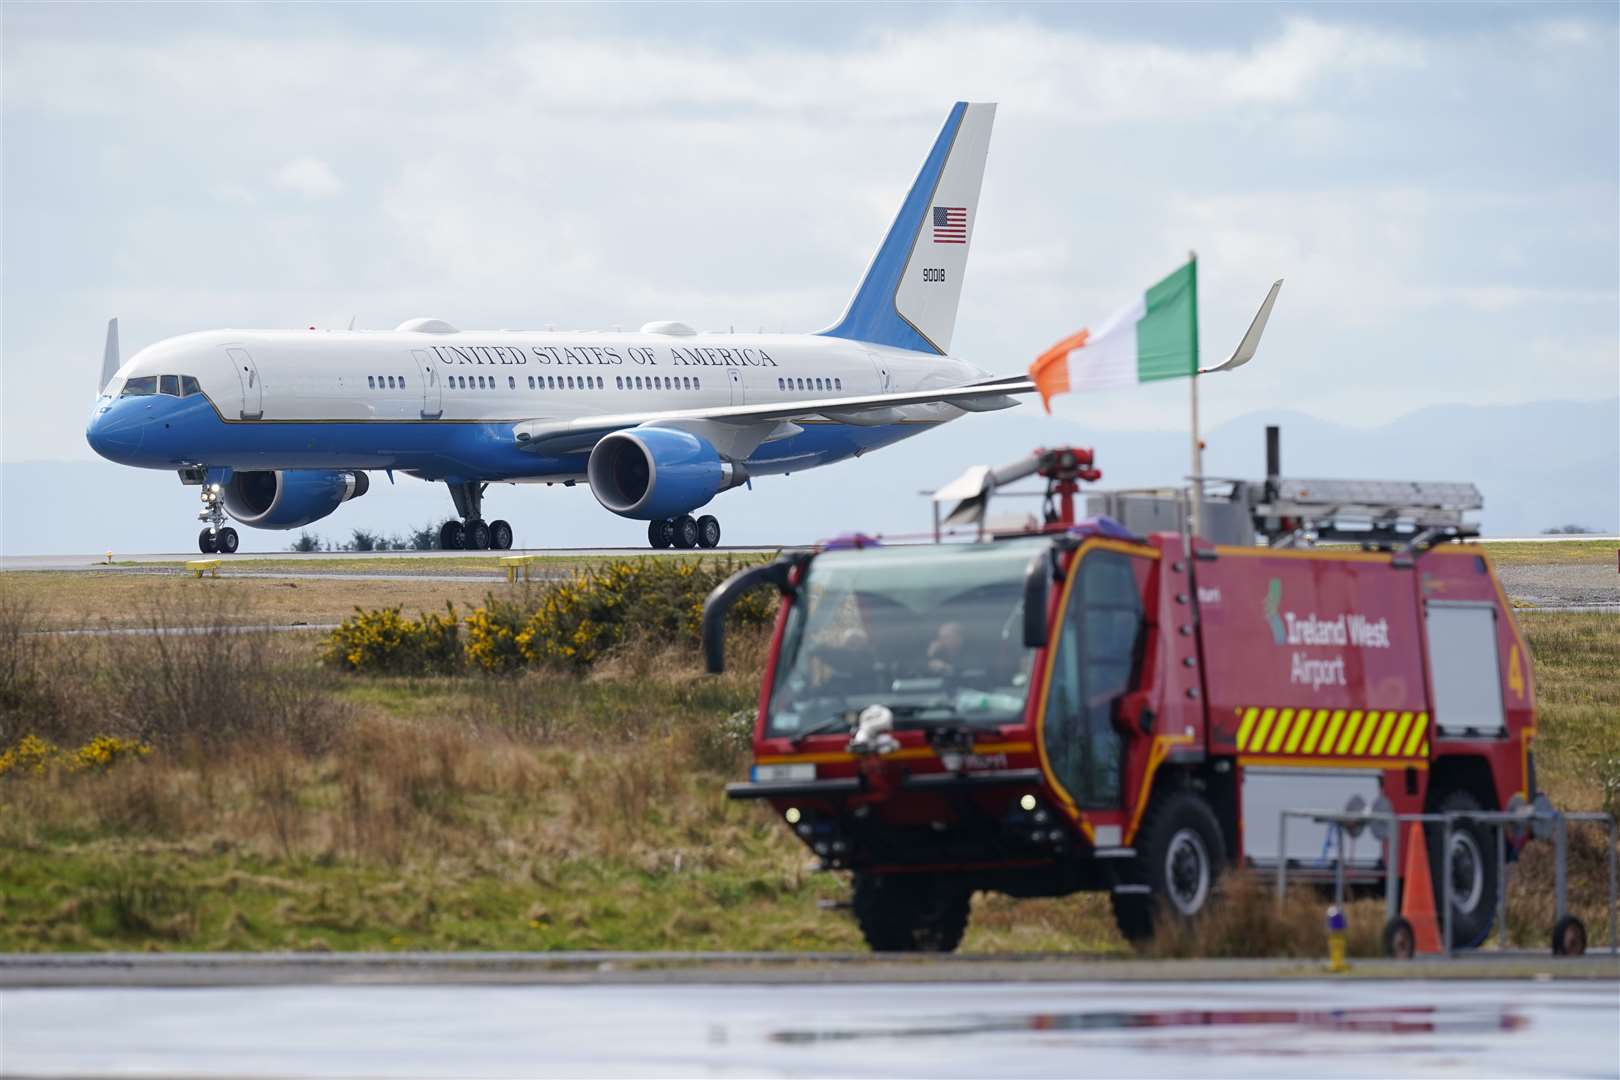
(189, 431)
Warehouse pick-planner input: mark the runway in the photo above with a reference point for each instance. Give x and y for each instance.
(312, 561)
(1316, 1027)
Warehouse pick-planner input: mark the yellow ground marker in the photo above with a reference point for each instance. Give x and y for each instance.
(512, 563)
(197, 566)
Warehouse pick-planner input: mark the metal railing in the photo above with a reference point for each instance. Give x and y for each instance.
(1499, 820)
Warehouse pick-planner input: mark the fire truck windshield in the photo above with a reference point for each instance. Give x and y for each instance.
(934, 632)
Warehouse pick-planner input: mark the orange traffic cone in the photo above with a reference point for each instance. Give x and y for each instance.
(1417, 900)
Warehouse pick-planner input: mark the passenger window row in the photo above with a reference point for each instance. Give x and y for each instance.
(809, 384)
(564, 382)
(657, 382)
(169, 385)
(375, 382)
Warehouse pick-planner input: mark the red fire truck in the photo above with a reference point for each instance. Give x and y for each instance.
(1083, 708)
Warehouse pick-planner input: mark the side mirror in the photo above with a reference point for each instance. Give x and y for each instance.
(1037, 586)
(725, 595)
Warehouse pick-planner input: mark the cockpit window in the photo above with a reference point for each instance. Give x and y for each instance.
(140, 386)
(189, 386)
(169, 384)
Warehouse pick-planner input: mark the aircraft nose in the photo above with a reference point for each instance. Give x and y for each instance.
(116, 433)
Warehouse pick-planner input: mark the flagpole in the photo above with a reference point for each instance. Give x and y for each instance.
(1195, 506)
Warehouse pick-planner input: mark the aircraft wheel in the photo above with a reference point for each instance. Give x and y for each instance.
(658, 534)
(500, 535)
(452, 536)
(477, 536)
(227, 540)
(205, 542)
(686, 531)
(708, 531)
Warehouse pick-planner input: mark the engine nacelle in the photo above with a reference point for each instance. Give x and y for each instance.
(290, 498)
(652, 473)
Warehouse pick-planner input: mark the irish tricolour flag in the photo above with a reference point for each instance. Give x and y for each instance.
(1155, 338)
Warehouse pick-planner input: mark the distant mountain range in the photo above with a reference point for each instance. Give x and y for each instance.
(1540, 465)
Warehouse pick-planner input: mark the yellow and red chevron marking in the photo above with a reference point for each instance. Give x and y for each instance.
(1333, 737)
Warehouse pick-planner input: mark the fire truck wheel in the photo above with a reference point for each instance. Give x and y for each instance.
(910, 912)
(1569, 937)
(1473, 873)
(1400, 940)
(1180, 854)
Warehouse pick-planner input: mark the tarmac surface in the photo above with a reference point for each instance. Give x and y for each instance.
(1196, 1020)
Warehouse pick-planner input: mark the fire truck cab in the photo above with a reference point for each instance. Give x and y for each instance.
(1084, 708)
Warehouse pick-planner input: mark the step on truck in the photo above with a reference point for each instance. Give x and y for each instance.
(1079, 707)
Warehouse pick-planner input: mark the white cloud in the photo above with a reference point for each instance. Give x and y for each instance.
(307, 176)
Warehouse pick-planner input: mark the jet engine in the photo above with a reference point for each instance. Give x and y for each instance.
(654, 473)
(290, 498)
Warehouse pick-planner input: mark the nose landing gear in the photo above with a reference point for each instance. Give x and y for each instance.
(473, 533)
(218, 538)
(684, 532)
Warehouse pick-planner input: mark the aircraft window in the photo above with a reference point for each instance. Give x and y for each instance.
(170, 385)
(371, 382)
(189, 386)
(601, 383)
(618, 382)
(531, 382)
(838, 384)
(697, 382)
(140, 386)
(781, 384)
(638, 382)
(511, 383)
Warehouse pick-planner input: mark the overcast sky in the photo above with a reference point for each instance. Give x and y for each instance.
(1439, 184)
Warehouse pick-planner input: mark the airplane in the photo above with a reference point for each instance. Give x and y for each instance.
(280, 427)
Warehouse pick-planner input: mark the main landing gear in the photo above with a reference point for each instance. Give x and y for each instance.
(472, 532)
(684, 532)
(218, 538)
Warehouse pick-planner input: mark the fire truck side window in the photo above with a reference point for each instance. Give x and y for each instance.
(1097, 652)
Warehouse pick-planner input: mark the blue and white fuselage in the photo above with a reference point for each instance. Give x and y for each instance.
(280, 427)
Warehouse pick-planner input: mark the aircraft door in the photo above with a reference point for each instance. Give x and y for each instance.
(432, 386)
(247, 373)
(737, 392)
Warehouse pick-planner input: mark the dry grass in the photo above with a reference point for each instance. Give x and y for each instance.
(93, 600)
(1552, 553)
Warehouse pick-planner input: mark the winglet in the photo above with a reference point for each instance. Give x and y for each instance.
(110, 363)
(1251, 340)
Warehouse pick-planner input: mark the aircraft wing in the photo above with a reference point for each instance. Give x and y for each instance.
(742, 427)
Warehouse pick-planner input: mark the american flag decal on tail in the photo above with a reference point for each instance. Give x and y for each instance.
(950, 224)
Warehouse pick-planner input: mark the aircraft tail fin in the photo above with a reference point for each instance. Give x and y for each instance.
(909, 295)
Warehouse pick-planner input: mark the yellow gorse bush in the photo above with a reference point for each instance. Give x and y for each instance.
(34, 756)
(572, 623)
(384, 640)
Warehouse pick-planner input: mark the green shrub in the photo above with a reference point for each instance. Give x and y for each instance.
(385, 641)
(661, 600)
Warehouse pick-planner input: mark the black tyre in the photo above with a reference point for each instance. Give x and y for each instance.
(452, 536)
(226, 541)
(1473, 873)
(708, 531)
(686, 531)
(1569, 937)
(910, 912)
(205, 542)
(500, 535)
(477, 536)
(658, 534)
(1179, 857)
(1400, 940)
